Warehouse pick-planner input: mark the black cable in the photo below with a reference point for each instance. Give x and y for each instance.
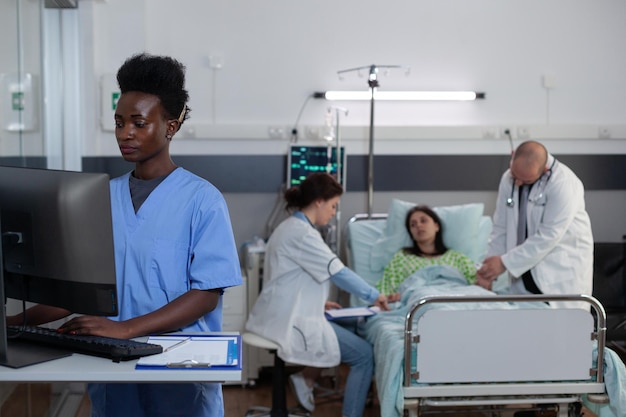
(508, 133)
(294, 130)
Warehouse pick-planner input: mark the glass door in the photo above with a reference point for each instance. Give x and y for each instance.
(21, 133)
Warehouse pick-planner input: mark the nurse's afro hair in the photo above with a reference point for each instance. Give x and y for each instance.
(318, 186)
(161, 76)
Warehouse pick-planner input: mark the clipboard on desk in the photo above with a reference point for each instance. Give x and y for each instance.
(351, 312)
(194, 351)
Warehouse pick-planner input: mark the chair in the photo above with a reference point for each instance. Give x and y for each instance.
(279, 382)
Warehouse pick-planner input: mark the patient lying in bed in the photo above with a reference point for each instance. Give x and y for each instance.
(373, 244)
(386, 333)
(426, 231)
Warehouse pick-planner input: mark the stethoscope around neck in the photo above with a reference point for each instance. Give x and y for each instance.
(543, 181)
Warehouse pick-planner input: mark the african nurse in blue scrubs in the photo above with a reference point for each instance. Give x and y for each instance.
(174, 246)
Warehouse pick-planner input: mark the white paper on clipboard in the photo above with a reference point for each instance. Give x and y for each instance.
(204, 351)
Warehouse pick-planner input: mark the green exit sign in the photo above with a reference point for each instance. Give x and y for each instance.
(114, 98)
(17, 100)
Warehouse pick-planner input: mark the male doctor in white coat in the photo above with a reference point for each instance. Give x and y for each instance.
(553, 253)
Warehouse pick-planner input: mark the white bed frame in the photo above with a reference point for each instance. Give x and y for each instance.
(499, 360)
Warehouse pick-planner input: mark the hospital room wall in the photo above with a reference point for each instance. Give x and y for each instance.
(250, 68)
(252, 183)
(551, 71)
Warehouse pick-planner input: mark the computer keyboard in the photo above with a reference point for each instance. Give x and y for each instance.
(108, 347)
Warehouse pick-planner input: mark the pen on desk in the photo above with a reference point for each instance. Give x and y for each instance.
(175, 345)
(188, 364)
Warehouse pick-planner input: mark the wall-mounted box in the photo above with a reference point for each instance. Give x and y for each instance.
(19, 104)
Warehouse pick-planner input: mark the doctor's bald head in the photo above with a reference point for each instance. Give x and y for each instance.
(529, 162)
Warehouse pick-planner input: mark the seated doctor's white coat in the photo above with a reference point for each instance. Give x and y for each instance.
(558, 249)
(296, 284)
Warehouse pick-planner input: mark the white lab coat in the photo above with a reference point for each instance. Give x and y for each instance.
(559, 246)
(296, 283)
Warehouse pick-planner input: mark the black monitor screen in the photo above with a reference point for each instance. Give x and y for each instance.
(56, 249)
(305, 160)
(57, 239)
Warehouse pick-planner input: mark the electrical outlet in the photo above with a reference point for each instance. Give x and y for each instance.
(490, 133)
(604, 132)
(277, 132)
(188, 132)
(312, 132)
(523, 132)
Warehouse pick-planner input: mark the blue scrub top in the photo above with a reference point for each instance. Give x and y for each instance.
(180, 239)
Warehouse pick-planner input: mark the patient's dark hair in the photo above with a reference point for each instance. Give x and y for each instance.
(161, 76)
(440, 248)
(314, 187)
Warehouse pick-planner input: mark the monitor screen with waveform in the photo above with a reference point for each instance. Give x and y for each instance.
(305, 160)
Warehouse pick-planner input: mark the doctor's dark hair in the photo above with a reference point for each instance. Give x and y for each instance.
(161, 76)
(315, 187)
(440, 247)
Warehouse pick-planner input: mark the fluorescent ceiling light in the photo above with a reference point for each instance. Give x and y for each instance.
(400, 95)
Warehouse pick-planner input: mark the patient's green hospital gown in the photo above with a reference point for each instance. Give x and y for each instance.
(403, 264)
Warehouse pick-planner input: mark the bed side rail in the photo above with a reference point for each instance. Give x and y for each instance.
(345, 245)
(365, 216)
(409, 338)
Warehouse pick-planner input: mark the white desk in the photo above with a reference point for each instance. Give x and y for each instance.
(84, 368)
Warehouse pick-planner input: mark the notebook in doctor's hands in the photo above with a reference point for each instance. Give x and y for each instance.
(351, 312)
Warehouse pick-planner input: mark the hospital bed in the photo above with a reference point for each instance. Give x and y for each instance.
(474, 350)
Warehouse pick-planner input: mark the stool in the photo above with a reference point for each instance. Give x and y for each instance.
(279, 382)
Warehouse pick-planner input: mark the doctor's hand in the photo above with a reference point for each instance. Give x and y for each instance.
(491, 269)
(381, 302)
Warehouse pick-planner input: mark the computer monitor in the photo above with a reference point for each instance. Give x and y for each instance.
(304, 160)
(56, 247)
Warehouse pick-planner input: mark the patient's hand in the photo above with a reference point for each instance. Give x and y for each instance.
(392, 298)
(381, 302)
(483, 282)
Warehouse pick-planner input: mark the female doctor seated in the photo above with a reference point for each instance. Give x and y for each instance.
(299, 267)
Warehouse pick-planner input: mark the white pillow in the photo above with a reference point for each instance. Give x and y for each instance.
(460, 231)
(482, 241)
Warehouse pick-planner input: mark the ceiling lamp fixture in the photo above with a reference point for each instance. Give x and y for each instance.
(400, 95)
(373, 95)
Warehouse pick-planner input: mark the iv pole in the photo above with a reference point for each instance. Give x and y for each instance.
(337, 139)
(372, 82)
